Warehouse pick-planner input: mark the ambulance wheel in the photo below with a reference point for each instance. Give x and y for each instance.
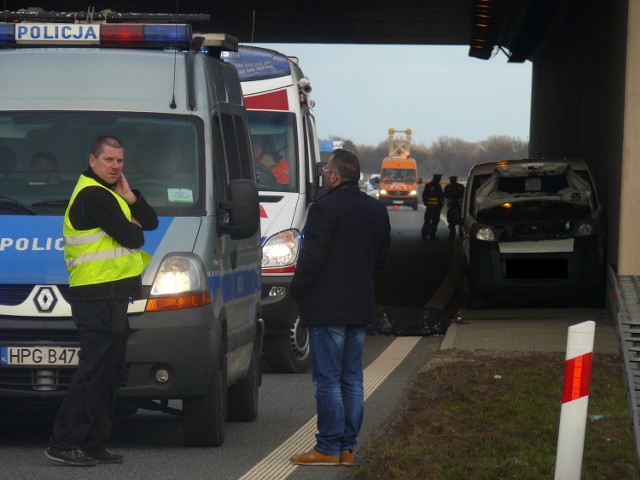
(243, 396)
(204, 417)
(288, 352)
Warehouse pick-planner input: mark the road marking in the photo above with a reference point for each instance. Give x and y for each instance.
(276, 465)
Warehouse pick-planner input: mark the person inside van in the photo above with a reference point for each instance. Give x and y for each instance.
(44, 162)
(265, 156)
(8, 161)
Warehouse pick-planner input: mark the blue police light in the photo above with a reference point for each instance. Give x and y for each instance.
(7, 34)
(122, 35)
(253, 63)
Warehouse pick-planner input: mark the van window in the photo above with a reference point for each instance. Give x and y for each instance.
(275, 132)
(163, 157)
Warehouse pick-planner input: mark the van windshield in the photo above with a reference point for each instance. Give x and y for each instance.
(398, 175)
(43, 153)
(273, 140)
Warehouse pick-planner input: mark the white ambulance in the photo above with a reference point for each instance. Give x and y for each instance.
(195, 335)
(283, 127)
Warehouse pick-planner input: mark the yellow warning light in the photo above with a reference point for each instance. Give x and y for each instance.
(392, 131)
(503, 163)
(408, 131)
(507, 205)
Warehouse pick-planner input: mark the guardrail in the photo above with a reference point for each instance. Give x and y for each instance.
(625, 308)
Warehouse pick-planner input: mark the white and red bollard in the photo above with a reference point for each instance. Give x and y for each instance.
(575, 400)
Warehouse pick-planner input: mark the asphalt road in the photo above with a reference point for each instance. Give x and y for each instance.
(420, 274)
(152, 442)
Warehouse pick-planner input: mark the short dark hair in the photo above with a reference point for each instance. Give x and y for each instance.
(100, 142)
(346, 164)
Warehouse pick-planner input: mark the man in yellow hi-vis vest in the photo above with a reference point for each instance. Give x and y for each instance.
(103, 234)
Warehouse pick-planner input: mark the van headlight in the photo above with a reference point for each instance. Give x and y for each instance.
(485, 233)
(383, 191)
(413, 193)
(180, 282)
(281, 250)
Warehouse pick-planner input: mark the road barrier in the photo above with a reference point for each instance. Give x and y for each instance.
(575, 400)
(624, 306)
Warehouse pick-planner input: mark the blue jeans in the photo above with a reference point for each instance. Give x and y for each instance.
(336, 353)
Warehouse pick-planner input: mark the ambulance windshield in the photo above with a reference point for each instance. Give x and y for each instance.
(43, 153)
(273, 138)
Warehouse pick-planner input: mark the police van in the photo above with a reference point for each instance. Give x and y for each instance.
(196, 335)
(277, 96)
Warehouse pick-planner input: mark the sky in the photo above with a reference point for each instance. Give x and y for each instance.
(361, 91)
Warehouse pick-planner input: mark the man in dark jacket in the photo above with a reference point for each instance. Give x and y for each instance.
(345, 244)
(454, 192)
(433, 200)
(103, 231)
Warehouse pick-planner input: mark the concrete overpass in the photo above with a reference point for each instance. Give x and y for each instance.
(585, 56)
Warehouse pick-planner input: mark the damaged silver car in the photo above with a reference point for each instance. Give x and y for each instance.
(532, 227)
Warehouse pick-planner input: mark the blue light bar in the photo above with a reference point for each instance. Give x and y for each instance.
(255, 63)
(69, 34)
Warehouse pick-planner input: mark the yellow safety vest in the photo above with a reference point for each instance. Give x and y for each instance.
(92, 256)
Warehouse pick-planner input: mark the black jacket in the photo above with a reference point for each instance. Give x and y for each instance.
(94, 207)
(345, 244)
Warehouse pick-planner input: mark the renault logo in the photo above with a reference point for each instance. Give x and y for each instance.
(45, 300)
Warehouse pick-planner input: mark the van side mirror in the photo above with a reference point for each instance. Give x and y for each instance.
(244, 210)
(320, 180)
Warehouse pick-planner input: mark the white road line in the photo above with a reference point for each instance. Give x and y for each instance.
(276, 465)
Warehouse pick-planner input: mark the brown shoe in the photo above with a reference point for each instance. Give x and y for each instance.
(347, 458)
(314, 458)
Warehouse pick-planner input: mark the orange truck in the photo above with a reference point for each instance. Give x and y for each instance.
(399, 172)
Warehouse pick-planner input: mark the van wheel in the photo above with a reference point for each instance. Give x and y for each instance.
(415, 206)
(243, 396)
(203, 418)
(288, 352)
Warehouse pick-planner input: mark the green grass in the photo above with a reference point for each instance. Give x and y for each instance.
(495, 415)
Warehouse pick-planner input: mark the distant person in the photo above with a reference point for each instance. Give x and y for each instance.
(433, 200)
(103, 232)
(346, 243)
(44, 162)
(453, 193)
(265, 155)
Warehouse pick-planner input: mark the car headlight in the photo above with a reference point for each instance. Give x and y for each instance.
(383, 191)
(413, 193)
(281, 250)
(179, 273)
(584, 229)
(485, 233)
(180, 282)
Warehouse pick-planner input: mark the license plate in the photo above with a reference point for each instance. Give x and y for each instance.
(38, 356)
(398, 202)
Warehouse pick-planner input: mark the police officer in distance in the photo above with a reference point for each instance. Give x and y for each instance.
(453, 193)
(433, 200)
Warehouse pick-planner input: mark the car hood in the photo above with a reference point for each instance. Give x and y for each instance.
(534, 182)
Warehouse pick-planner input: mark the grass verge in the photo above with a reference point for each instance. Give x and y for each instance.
(495, 415)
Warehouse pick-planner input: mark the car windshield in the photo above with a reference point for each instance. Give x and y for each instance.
(43, 153)
(273, 138)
